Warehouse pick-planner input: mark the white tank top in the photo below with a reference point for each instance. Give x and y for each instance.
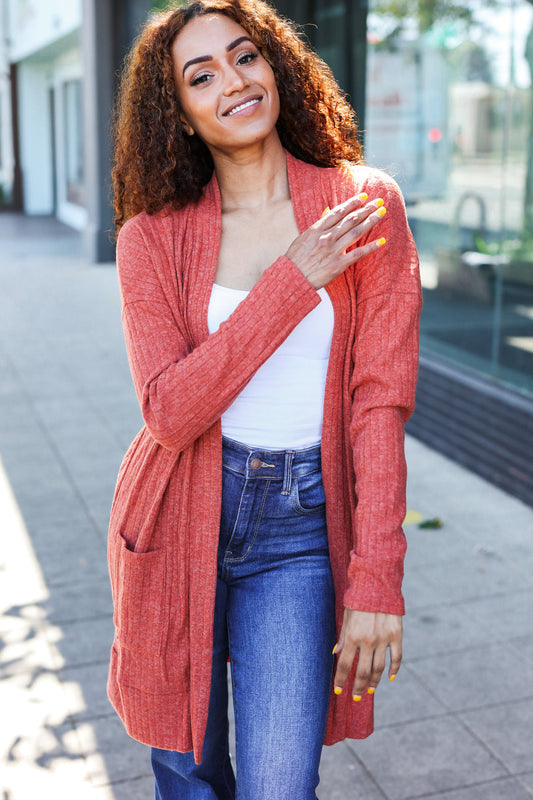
(281, 407)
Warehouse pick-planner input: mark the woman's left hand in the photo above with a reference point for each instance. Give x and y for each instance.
(369, 634)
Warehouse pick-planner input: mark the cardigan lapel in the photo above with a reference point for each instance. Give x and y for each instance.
(311, 192)
(307, 190)
(203, 246)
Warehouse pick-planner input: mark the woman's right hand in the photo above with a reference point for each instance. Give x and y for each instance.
(321, 251)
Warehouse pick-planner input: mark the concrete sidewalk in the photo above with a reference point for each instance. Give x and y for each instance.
(457, 724)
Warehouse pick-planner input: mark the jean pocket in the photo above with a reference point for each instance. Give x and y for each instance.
(307, 494)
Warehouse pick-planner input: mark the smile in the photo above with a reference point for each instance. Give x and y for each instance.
(242, 106)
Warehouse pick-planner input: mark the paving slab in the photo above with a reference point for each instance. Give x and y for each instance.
(477, 677)
(506, 730)
(343, 777)
(85, 690)
(526, 780)
(441, 629)
(84, 642)
(405, 700)
(110, 754)
(507, 616)
(433, 755)
(485, 573)
(136, 789)
(504, 789)
(86, 597)
(70, 560)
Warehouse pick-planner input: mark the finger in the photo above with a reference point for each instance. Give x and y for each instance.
(395, 658)
(363, 672)
(344, 666)
(378, 667)
(352, 234)
(352, 256)
(331, 216)
(355, 218)
(340, 643)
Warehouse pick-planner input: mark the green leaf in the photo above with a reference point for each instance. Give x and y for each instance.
(436, 522)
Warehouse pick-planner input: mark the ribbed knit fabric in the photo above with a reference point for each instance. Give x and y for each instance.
(165, 517)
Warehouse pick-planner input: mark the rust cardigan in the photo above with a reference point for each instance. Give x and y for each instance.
(165, 516)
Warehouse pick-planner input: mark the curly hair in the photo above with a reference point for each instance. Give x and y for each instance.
(156, 164)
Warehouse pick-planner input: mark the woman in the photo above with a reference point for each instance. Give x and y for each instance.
(270, 306)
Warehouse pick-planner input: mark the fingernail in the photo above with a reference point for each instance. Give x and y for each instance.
(334, 650)
(381, 211)
(362, 197)
(381, 241)
(337, 690)
(392, 677)
(379, 202)
(371, 689)
(325, 210)
(356, 698)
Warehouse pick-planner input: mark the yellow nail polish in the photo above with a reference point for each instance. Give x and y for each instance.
(379, 202)
(337, 690)
(334, 650)
(381, 241)
(356, 698)
(381, 211)
(362, 197)
(392, 678)
(325, 210)
(371, 689)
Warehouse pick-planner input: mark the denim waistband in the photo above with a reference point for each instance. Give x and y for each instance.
(270, 464)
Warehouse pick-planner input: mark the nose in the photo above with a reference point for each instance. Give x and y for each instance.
(234, 80)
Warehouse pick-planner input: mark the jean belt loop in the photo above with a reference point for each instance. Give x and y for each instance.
(287, 472)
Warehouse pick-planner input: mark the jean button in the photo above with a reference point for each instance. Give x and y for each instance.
(255, 463)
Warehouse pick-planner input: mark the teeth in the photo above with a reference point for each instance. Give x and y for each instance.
(244, 105)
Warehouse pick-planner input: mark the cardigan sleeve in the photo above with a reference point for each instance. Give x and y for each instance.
(183, 390)
(385, 365)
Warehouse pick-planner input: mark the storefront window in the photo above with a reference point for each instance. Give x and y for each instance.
(449, 113)
(331, 22)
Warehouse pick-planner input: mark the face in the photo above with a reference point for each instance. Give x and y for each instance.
(226, 88)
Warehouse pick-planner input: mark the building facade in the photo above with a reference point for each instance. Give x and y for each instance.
(60, 60)
(41, 42)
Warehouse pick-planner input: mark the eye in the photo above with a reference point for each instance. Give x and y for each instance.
(199, 79)
(247, 58)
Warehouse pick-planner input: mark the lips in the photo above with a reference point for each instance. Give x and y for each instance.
(246, 102)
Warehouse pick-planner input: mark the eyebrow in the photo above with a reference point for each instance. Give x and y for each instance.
(229, 48)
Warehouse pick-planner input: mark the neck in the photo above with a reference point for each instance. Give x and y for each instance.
(253, 178)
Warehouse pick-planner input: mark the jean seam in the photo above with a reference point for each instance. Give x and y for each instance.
(233, 690)
(242, 558)
(298, 508)
(234, 470)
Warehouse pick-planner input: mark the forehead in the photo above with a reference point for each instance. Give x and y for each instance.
(206, 35)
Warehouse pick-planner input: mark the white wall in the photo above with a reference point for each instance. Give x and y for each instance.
(34, 24)
(35, 138)
(37, 78)
(6, 143)
(67, 67)
(6, 138)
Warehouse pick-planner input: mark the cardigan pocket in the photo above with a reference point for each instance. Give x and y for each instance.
(139, 616)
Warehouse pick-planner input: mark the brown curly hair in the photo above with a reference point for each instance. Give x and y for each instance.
(157, 164)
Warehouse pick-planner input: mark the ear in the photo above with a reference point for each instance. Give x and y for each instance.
(189, 130)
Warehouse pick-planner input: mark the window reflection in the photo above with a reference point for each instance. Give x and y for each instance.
(449, 113)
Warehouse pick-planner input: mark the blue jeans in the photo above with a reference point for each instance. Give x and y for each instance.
(274, 616)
